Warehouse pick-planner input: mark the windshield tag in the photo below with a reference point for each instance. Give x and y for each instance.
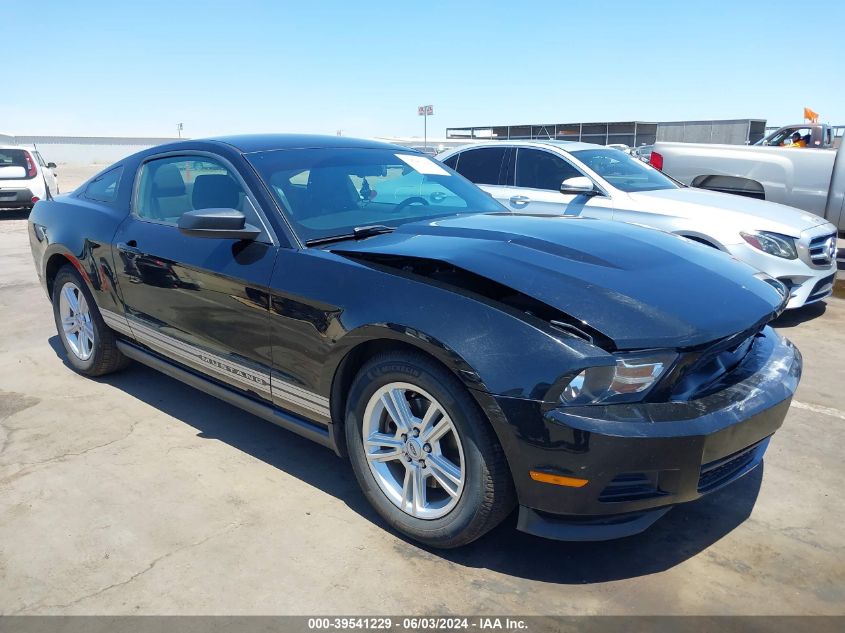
(423, 165)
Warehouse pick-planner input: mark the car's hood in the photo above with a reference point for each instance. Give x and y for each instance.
(743, 213)
(640, 287)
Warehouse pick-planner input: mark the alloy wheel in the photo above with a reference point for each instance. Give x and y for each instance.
(413, 450)
(77, 325)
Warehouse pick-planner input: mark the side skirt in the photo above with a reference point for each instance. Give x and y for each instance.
(288, 421)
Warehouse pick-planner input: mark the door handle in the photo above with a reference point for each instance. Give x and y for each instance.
(129, 247)
(519, 201)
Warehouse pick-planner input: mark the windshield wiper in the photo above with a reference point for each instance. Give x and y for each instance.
(359, 232)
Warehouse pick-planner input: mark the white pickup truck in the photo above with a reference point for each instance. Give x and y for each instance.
(809, 179)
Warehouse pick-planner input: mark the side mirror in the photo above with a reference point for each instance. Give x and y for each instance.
(51, 165)
(226, 224)
(580, 185)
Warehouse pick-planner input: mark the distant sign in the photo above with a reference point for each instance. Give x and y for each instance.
(426, 110)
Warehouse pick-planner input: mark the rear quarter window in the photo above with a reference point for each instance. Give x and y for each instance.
(452, 162)
(104, 187)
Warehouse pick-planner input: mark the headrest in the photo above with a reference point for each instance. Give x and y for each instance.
(216, 191)
(167, 181)
(328, 177)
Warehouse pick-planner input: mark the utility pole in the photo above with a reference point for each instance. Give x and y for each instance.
(179, 127)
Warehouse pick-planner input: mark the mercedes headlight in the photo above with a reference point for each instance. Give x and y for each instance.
(771, 243)
(629, 380)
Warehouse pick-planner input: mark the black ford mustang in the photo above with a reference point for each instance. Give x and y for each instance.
(465, 358)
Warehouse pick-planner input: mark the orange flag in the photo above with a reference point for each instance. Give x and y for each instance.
(812, 117)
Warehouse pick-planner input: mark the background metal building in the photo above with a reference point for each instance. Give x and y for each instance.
(630, 133)
(85, 149)
(734, 132)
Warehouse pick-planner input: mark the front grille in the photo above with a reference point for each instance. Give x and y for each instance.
(631, 487)
(820, 251)
(722, 471)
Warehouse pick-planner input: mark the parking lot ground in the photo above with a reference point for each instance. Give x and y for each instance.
(135, 494)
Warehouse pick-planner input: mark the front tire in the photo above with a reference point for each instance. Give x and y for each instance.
(90, 344)
(424, 455)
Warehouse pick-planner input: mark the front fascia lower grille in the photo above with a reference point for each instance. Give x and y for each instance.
(722, 471)
(822, 289)
(631, 487)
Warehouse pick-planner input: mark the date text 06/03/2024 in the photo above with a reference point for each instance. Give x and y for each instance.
(418, 623)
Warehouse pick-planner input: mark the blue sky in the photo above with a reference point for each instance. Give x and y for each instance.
(114, 67)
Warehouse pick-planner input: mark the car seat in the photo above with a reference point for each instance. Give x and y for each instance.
(168, 195)
(330, 190)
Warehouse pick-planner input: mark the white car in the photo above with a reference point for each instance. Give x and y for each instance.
(25, 177)
(568, 178)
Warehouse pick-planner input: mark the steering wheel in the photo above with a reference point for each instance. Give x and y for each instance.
(407, 202)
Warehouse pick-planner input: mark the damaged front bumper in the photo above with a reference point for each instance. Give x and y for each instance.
(641, 459)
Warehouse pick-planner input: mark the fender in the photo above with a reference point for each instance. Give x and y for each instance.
(90, 255)
(405, 335)
(343, 375)
(502, 370)
(316, 308)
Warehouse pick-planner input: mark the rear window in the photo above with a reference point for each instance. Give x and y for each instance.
(16, 164)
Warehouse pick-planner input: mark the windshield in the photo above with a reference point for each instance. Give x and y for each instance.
(623, 171)
(329, 192)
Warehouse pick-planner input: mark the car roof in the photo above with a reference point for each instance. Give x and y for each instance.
(566, 146)
(248, 143)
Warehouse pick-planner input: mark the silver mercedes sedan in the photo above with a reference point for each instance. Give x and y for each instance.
(568, 178)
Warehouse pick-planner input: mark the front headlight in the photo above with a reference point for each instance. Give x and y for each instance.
(771, 243)
(629, 380)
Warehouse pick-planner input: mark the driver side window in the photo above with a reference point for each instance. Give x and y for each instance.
(539, 169)
(170, 187)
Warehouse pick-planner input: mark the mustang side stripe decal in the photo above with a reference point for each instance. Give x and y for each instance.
(282, 399)
(279, 383)
(280, 391)
(220, 365)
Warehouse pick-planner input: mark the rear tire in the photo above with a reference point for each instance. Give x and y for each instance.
(450, 453)
(89, 343)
